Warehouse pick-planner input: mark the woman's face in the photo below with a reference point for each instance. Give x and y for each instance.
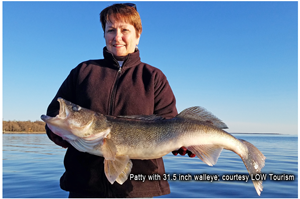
(120, 37)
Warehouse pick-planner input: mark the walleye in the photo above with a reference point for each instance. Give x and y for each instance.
(120, 139)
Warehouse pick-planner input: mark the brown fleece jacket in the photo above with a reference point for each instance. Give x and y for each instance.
(102, 86)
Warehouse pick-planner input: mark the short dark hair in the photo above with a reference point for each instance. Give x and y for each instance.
(124, 13)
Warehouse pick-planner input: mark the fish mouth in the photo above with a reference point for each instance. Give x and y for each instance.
(45, 118)
(62, 114)
(63, 109)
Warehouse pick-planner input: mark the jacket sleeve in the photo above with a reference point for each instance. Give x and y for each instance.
(164, 101)
(65, 91)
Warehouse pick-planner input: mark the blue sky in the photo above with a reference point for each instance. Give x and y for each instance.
(239, 60)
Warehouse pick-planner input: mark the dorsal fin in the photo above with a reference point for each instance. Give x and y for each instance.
(200, 114)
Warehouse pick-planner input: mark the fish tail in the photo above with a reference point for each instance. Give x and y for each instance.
(254, 162)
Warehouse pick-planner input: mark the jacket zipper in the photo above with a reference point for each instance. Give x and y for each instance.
(113, 94)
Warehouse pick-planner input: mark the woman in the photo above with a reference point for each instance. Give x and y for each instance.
(119, 84)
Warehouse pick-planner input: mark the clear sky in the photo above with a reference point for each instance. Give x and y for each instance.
(239, 60)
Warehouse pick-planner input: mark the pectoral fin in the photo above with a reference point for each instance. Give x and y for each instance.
(108, 149)
(117, 169)
(207, 153)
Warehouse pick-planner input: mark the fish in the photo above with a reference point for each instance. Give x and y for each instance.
(119, 139)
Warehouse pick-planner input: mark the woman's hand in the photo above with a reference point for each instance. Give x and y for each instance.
(182, 151)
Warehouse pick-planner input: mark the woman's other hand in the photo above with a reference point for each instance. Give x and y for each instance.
(182, 151)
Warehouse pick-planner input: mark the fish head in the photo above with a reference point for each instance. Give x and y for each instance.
(72, 121)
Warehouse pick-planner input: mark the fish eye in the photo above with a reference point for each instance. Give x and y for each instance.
(76, 108)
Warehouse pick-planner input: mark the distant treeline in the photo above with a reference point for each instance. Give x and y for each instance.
(23, 126)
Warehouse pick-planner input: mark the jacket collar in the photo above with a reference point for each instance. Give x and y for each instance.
(132, 60)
